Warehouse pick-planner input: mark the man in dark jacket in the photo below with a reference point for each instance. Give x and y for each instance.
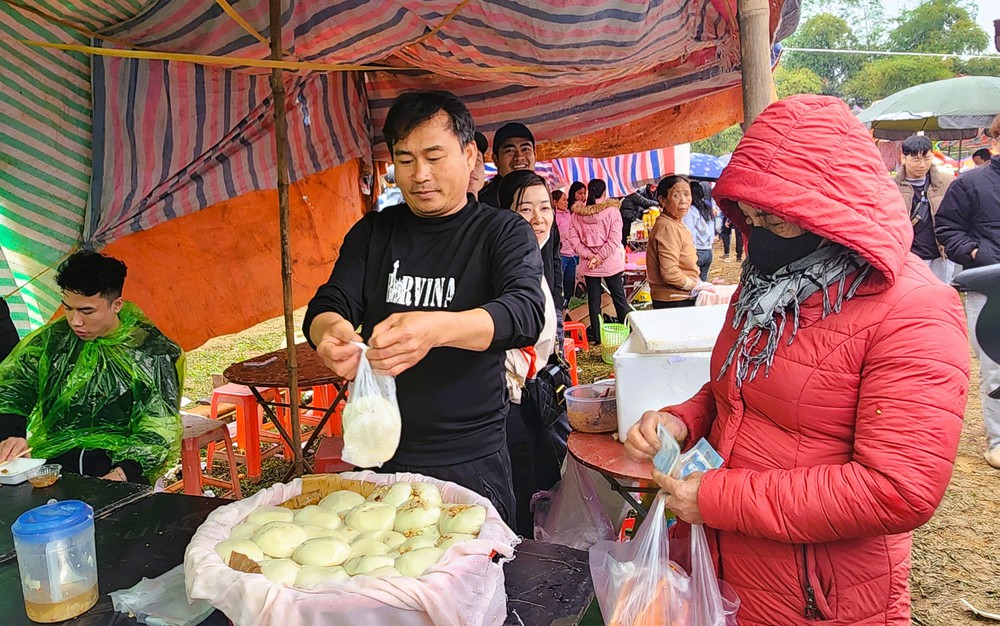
(968, 226)
(8, 333)
(634, 205)
(514, 149)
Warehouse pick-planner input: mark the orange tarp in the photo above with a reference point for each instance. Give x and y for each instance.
(218, 271)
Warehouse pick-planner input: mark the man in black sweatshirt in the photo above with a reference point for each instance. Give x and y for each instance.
(441, 286)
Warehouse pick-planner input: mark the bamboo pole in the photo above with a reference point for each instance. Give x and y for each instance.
(755, 49)
(284, 213)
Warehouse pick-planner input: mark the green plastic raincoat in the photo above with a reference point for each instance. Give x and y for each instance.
(119, 393)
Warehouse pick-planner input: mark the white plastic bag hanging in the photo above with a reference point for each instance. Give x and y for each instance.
(575, 516)
(710, 606)
(636, 584)
(371, 419)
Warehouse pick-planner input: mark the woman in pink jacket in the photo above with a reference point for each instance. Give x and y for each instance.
(595, 234)
(838, 382)
(560, 201)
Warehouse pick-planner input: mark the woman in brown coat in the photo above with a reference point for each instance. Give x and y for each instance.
(671, 260)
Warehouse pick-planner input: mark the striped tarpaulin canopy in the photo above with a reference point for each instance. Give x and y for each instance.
(104, 147)
(45, 149)
(625, 172)
(545, 169)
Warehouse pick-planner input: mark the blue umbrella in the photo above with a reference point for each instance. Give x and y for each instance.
(705, 166)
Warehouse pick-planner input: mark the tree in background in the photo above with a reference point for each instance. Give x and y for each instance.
(888, 75)
(979, 67)
(788, 82)
(825, 31)
(722, 142)
(867, 17)
(945, 26)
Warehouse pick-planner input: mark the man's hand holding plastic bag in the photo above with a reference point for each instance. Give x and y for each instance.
(371, 419)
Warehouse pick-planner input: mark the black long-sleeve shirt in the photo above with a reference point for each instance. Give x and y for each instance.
(453, 402)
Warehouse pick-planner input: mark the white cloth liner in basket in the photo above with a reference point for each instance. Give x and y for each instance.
(466, 588)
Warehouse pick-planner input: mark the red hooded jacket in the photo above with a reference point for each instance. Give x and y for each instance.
(847, 445)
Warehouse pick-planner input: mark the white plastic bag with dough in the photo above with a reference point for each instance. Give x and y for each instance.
(465, 588)
(371, 419)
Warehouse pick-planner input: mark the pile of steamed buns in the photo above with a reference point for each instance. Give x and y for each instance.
(402, 529)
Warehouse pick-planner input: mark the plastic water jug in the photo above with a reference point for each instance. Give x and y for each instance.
(57, 560)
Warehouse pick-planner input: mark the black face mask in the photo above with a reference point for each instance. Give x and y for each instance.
(769, 252)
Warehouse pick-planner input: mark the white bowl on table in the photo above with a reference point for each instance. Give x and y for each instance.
(16, 472)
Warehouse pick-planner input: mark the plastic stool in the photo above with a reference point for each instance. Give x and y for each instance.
(328, 459)
(248, 420)
(578, 332)
(198, 433)
(569, 351)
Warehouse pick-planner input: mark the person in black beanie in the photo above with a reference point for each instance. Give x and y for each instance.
(513, 150)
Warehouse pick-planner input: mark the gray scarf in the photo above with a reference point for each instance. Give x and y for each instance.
(764, 303)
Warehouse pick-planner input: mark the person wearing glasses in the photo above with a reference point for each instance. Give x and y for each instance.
(923, 187)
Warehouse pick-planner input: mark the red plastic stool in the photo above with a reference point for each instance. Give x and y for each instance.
(198, 433)
(569, 351)
(323, 397)
(578, 332)
(328, 456)
(248, 420)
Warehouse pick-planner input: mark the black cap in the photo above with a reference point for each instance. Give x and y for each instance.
(481, 144)
(508, 130)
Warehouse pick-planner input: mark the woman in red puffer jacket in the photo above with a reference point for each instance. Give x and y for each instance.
(838, 382)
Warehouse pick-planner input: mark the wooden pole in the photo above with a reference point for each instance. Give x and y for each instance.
(284, 213)
(755, 48)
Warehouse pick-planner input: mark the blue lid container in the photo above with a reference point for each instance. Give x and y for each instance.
(52, 522)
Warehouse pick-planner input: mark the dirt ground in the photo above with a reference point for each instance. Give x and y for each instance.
(954, 555)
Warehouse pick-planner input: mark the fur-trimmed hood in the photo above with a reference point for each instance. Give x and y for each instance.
(594, 209)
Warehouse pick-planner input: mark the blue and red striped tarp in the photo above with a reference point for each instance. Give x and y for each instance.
(624, 173)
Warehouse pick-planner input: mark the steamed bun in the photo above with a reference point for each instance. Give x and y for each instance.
(279, 539)
(280, 571)
(323, 551)
(341, 501)
(247, 548)
(267, 514)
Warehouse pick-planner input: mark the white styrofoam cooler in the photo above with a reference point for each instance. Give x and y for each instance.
(665, 360)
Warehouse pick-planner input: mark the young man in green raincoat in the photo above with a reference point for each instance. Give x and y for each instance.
(97, 391)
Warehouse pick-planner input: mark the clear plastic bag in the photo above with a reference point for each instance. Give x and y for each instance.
(161, 601)
(635, 582)
(643, 583)
(574, 516)
(371, 418)
(709, 605)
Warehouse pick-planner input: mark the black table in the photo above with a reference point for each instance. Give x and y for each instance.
(143, 539)
(104, 496)
(546, 584)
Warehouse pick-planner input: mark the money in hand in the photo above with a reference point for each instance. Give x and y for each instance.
(666, 459)
(700, 458)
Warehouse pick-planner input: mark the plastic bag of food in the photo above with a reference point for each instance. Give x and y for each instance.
(635, 582)
(371, 419)
(573, 516)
